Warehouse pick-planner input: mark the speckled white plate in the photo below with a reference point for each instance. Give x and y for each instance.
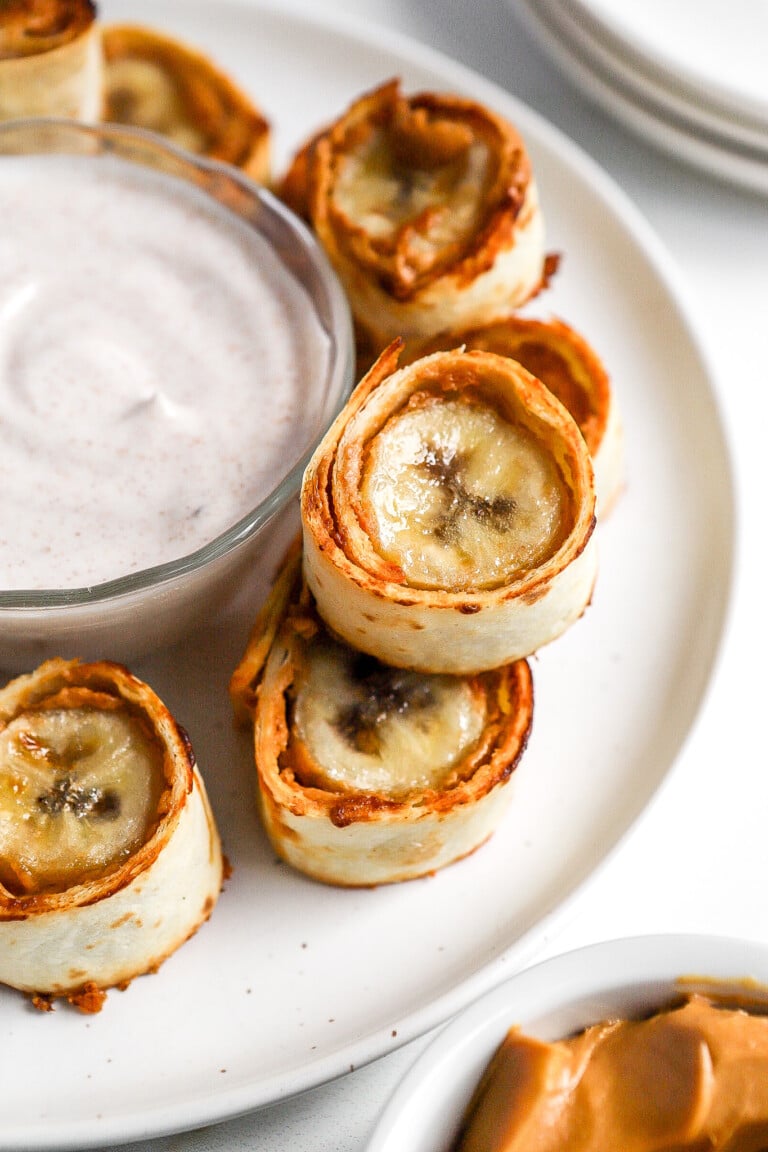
(291, 983)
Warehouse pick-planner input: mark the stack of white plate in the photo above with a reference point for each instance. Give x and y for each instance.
(690, 75)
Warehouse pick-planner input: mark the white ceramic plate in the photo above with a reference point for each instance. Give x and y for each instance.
(728, 158)
(292, 983)
(551, 1000)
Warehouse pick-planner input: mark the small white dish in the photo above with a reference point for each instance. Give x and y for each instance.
(563, 995)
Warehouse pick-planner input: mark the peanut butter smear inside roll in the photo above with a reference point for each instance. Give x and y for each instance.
(461, 497)
(30, 27)
(80, 791)
(694, 1077)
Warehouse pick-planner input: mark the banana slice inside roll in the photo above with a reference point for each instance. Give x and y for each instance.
(363, 726)
(370, 774)
(109, 853)
(563, 360)
(50, 59)
(428, 209)
(448, 515)
(79, 792)
(154, 81)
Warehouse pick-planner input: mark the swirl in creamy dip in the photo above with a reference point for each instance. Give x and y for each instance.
(153, 360)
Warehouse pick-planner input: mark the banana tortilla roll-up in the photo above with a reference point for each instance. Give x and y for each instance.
(428, 210)
(50, 59)
(448, 514)
(109, 854)
(154, 81)
(368, 774)
(571, 369)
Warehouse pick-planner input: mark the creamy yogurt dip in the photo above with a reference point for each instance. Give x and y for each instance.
(152, 378)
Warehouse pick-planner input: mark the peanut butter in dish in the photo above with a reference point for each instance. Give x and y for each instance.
(692, 1077)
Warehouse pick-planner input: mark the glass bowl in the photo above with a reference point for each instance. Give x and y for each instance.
(127, 617)
(631, 977)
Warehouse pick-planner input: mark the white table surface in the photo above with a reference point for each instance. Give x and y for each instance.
(697, 861)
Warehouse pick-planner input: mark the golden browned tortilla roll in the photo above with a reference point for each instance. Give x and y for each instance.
(448, 514)
(109, 853)
(50, 59)
(369, 774)
(428, 209)
(153, 81)
(571, 369)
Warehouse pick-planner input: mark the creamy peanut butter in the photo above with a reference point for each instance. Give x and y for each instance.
(693, 1077)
